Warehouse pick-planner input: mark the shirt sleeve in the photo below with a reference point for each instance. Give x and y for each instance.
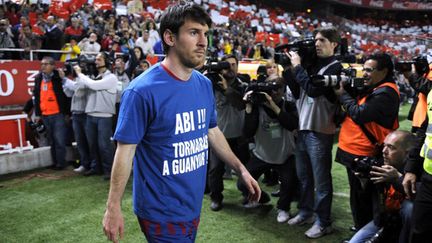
(107, 83)
(134, 118)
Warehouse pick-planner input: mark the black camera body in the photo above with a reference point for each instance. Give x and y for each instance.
(85, 62)
(257, 97)
(38, 127)
(349, 75)
(420, 63)
(364, 166)
(305, 48)
(214, 70)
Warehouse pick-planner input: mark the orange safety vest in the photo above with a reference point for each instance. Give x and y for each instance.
(48, 99)
(421, 108)
(352, 138)
(393, 199)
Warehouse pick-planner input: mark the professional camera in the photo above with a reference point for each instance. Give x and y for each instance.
(214, 70)
(420, 63)
(38, 127)
(364, 166)
(85, 62)
(305, 49)
(258, 88)
(349, 75)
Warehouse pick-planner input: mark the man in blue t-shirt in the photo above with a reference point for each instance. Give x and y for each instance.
(167, 121)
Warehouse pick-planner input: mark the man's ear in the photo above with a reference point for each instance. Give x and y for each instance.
(169, 38)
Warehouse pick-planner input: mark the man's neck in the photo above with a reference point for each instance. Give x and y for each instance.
(179, 70)
(101, 70)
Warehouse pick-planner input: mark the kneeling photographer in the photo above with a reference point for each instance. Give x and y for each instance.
(371, 114)
(271, 121)
(392, 212)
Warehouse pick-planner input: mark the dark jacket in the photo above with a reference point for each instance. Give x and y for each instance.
(381, 106)
(63, 101)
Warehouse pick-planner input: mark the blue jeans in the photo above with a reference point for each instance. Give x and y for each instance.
(313, 164)
(56, 130)
(78, 124)
(371, 229)
(99, 132)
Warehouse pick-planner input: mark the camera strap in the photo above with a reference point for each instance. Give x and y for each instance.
(323, 69)
(372, 139)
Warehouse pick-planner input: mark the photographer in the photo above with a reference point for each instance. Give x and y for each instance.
(230, 109)
(100, 108)
(371, 115)
(316, 106)
(419, 77)
(271, 121)
(387, 179)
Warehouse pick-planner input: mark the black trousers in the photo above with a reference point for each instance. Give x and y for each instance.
(422, 212)
(287, 175)
(216, 170)
(361, 200)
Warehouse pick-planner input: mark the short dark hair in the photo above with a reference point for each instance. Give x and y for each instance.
(331, 33)
(224, 58)
(176, 15)
(383, 61)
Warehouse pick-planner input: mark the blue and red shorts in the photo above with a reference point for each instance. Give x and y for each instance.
(169, 231)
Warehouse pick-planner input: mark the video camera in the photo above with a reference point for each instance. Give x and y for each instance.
(214, 70)
(257, 97)
(364, 166)
(420, 63)
(349, 76)
(305, 48)
(85, 62)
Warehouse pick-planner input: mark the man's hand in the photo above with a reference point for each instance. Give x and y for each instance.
(295, 58)
(77, 69)
(223, 83)
(246, 99)
(252, 186)
(113, 224)
(339, 91)
(409, 184)
(61, 73)
(385, 173)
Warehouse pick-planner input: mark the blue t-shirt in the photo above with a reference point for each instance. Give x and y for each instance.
(168, 119)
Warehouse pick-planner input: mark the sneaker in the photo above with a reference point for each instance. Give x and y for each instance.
(300, 220)
(215, 206)
(80, 169)
(282, 216)
(317, 231)
(252, 204)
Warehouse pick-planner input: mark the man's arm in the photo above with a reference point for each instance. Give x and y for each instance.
(223, 151)
(113, 223)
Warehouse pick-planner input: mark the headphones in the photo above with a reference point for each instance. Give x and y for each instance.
(107, 60)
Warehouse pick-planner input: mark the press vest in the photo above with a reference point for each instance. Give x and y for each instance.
(426, 151)
(352, 138)
(48, 99)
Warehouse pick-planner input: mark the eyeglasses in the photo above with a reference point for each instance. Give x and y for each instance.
(368, 70)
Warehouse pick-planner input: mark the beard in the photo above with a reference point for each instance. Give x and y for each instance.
(190, 62)
(230, 75)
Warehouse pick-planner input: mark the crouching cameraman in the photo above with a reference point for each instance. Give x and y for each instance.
(393, 210)
(271, 120)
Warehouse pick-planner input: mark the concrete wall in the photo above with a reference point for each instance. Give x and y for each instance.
(29, 160)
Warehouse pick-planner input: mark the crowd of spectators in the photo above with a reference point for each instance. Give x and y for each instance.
(245, 34)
